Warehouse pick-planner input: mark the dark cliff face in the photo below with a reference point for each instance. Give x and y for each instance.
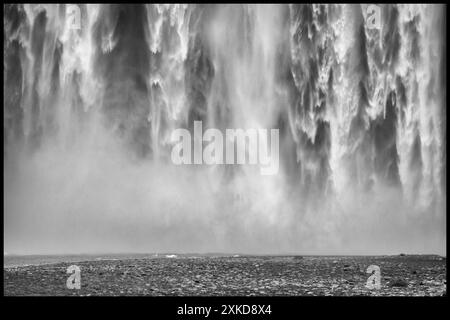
(13, 50)
(384, 137)
(124, 69)
(198, 65)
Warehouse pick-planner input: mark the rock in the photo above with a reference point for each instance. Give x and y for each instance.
(226, 276)
(398, 283)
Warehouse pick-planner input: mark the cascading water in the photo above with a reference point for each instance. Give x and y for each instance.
(89, 111)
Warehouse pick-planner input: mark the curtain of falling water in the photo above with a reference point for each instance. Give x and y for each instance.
(359, 110)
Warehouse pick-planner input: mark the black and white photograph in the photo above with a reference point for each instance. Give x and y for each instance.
(224, 150)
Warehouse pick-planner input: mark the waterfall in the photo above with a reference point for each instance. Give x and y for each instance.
(90, 105)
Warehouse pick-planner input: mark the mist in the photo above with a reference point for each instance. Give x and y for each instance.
(88, 115)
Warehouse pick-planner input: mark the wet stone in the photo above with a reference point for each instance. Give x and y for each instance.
(275, 275)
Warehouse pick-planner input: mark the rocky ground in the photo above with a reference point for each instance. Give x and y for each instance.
(235, 275)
